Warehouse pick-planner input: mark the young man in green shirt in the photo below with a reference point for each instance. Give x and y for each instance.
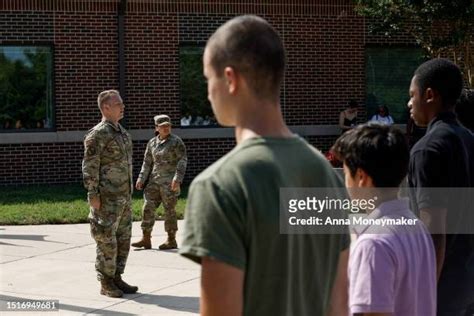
(232, 223)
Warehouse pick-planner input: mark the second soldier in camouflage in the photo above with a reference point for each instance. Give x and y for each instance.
(163, 171)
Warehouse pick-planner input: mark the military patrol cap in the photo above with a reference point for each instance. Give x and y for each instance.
(162, 119)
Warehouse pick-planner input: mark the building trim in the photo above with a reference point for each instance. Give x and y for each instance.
(145, 134)
(339, 8)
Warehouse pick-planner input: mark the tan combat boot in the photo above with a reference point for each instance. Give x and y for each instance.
(124, 286)
(145, 242)
(170, 243)
(108, 288)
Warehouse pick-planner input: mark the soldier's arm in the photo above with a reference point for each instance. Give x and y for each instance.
(182, 162)
(93, 147)
(147, 165)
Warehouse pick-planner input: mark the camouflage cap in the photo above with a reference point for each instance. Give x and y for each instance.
(162, 119)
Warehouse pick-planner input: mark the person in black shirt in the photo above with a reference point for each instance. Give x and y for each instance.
(444, 158)
(348, 117)
(414, 132)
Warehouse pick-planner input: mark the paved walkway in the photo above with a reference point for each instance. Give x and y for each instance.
(56, 262)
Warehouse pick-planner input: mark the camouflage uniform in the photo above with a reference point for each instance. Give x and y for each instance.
(107, 172)
(165, 160)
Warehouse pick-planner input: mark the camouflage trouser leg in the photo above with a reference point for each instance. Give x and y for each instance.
(152, 198)
(111, 229)
(169, 199)
(124, 235)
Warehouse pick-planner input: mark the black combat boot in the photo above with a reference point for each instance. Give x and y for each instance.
(124, 286)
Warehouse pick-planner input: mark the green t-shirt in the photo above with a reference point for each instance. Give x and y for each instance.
(232, 215)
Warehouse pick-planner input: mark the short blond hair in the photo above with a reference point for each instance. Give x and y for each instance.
(104, 96)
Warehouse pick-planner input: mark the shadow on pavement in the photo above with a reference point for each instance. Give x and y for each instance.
(155, 249)
(30, 237)
(67, 307)
(178, 303)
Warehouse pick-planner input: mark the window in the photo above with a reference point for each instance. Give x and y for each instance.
(196, 110)
(388, 72)
(26, 88)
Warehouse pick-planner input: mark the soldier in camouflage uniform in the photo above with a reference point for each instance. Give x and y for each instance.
(163, 166)
(107, 172)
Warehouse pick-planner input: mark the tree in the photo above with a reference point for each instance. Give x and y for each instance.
(24, 85)
(442, 28)
(193, 87)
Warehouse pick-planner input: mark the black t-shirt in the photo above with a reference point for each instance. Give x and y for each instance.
(444, 159)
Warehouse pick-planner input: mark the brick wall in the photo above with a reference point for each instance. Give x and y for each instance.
(85, 62)
(152, 75)
(26, 27)
(324, 39)
(325, 67)
(325, 61)
(61, 162)
(40, 163)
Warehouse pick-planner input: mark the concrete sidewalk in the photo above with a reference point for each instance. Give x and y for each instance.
(56, 262)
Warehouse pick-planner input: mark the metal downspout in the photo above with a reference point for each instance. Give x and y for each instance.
(122, 9)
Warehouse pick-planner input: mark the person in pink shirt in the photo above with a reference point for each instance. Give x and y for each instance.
(392, 268)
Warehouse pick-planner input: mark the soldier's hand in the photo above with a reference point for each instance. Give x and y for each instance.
(139, 185)
(175, 186)
(95, 203)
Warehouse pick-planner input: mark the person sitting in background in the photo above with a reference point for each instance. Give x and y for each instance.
(348, 117)
(207, 120)
(19, 124)
(382, 116)
(198, 120)
(7, 125)
(186, 120)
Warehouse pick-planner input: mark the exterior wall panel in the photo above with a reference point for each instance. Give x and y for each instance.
(325, 43)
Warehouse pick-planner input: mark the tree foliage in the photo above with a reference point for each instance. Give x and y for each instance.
(24, 85)
(193, 87)
(442, 28)
(387, 82)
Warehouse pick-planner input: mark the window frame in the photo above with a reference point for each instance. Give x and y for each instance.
(192, 45)
(387, 46)
(49, 45)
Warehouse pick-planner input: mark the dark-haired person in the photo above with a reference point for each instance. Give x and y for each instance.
(444, 158)
(382, 116)
(348, 117)
(232, 215)
(392, 269)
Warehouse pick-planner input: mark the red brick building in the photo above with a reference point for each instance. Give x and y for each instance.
(134, 46)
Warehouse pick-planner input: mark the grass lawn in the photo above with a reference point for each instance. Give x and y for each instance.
(58, 204)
